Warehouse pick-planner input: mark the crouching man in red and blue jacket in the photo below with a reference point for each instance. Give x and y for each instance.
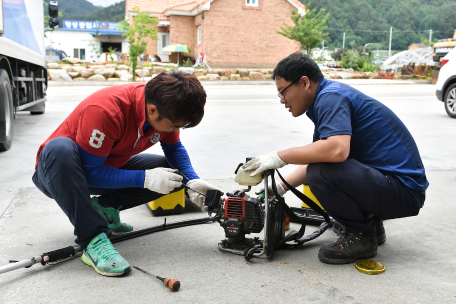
(96, 151)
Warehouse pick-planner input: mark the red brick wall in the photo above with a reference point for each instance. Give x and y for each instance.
(182, 31)
(152, 44)
(235, 34)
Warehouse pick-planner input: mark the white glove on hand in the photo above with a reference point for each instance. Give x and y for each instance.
(280, 189)
(263, 163)
(162, 180)
(200, 186)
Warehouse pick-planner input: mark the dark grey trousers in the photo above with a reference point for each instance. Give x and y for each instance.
(350, 192)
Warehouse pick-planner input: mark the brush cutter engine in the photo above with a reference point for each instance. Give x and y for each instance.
(241, 214)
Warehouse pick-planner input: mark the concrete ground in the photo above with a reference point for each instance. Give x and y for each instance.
(240, 121)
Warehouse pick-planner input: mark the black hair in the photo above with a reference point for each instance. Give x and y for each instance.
(295, 66)
(178, 96)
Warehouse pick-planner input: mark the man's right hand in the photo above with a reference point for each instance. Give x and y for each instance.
(162, 180)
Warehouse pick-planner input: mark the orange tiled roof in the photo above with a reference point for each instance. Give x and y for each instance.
(185, 6)
(161, 6)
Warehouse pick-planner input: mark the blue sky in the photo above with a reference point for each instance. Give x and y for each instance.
(103, 3)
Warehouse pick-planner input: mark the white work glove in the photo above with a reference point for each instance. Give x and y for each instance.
(200, 186)
(162, 180)
(280, 189)
(263, 163)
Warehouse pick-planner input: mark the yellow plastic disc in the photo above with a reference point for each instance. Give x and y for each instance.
(370, 266)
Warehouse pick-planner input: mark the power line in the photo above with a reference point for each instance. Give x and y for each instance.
(386, 31)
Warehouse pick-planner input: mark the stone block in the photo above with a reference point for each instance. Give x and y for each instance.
(113, 79)
(157, 69)
(235, 77)
(224, 78)
(53, 65)
(72, 60)
(199, 72)
(145, 73)
(87, 73)
(202, 78)
(66, 67)
(96, 67)
(243, 72)
(78, 69)
(245, 78)
(119, 73)
(112, 66)
(123, 67)
(345, 75)
(187, 70)
(265, 72)
(59, 75)
(107, 73)
(96, 78)
(219, 72)
(326, 75)
(73, 74)
(79, 79)
(256, 76)
(213, 77)
(268, 76)
(126, 77)
(254, 70)
(230, 71)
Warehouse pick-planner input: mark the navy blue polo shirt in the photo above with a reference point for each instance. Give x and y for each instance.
(379, 139)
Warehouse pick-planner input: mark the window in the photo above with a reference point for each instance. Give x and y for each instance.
(82, 54)
(199, 34)
(251, 2)
(76, 53)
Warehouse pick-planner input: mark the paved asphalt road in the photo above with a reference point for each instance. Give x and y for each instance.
(240, 121)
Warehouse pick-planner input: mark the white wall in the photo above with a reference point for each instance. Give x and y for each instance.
(67, 41)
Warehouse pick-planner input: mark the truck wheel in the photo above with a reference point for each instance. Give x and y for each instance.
(450, 101)
(6, 112)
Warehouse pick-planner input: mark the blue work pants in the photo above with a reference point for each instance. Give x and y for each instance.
(352, 192)
(59, 175)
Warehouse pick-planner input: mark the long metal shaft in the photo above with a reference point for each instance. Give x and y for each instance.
(20, 264)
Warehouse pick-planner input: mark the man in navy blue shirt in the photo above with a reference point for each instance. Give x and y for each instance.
(363, 165)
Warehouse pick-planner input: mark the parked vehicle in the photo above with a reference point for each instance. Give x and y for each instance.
(55, 55)
(443, 46)
(446, 83)
(23, 71)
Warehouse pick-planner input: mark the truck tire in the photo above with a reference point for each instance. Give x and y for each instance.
(450, 101)
(6, 112)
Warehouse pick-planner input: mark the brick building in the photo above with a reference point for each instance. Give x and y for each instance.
(229, 32)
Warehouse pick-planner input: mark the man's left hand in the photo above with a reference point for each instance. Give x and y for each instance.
(264, 162)
(200, 186)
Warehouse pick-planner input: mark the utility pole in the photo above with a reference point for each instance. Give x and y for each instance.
(343, 43)
(430, 37)
(391, 37)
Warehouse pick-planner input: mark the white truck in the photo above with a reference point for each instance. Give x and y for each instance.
(23, 71)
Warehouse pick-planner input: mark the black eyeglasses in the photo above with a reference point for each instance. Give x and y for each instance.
(280, 94)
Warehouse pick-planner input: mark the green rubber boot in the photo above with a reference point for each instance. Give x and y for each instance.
(104, 258)
(113, 218)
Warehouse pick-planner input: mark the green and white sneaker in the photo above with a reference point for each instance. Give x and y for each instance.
(104, 258)
(113, 218)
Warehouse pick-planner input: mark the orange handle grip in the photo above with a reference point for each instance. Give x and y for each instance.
(173, 284)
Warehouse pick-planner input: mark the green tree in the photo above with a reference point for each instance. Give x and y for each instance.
(308, 29)
(426, 41)
(137, 32)
(111, 53)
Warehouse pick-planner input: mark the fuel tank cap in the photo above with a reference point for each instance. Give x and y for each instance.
(370, 266)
